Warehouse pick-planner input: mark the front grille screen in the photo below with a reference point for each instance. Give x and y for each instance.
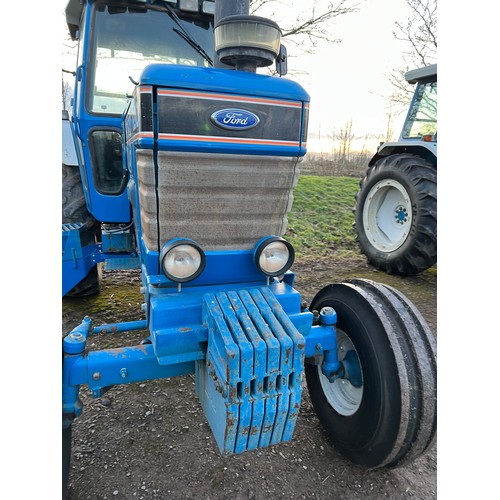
(222, 201)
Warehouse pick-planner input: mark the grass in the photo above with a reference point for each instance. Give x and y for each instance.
(321, 218)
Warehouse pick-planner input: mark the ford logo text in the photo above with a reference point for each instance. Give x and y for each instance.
(235, 119)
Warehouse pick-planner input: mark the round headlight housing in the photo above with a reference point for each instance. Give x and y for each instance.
(182, 260)
(274, 256)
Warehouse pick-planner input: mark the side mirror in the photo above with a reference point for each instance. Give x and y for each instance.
(281, 61)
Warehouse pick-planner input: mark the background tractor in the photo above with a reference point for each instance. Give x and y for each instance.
(182, 163)
(396, 205)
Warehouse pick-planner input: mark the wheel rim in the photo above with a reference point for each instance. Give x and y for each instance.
(344, 397)
(387, 215)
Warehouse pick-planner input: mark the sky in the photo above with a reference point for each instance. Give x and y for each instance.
(348, 81)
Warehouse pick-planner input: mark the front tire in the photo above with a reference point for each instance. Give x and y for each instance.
(385, 415)
(396, 214)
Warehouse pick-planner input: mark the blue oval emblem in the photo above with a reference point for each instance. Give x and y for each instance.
(235, 119)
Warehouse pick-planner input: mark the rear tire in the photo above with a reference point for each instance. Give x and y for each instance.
(390, 418)
(396, 214)
(66, 458)
(74, 209)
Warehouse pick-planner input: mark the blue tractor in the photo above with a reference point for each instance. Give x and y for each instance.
(396, 205)
(181, 162)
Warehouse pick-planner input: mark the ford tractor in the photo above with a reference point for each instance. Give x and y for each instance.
(180, 160)
(396, 205)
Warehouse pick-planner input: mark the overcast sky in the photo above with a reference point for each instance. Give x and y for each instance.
(349, 80)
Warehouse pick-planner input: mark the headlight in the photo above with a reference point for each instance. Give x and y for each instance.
(182, 260)
(274, 256)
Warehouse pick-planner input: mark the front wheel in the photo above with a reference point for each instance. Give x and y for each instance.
(396, 214)
(382, 412)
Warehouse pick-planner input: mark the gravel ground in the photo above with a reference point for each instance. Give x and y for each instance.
(151, 440)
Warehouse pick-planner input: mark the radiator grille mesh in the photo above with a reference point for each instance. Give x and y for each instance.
(222, 201)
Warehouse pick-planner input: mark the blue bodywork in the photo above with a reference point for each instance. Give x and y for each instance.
(77, 261)
(245, 336)
(246, 344)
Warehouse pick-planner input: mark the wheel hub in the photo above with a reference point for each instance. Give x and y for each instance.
(345, 393)
(401, 215)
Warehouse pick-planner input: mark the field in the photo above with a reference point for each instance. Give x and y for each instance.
(320, 222)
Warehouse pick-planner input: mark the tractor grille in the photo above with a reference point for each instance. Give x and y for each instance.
(222, 201)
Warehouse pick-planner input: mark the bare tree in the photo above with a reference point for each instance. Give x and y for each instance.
(389, 133)
(312, 23)
(342, 144)
(419, 33)
(66, 94)
(345, 138)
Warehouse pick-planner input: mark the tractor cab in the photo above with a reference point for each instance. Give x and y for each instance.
(117, 40)
(421, 121)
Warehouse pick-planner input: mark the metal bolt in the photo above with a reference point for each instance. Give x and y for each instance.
(77, 336)
(123, 372)
(327, 311)
(143, 306)
(96, 375)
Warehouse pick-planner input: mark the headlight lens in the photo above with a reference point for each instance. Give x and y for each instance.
(274, 256)
(182, 260)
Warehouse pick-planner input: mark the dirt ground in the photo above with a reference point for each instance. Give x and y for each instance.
(151, 440)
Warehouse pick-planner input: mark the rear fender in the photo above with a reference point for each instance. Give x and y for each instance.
(427, 150)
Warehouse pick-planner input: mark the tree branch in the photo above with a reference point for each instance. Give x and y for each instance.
(311, 25)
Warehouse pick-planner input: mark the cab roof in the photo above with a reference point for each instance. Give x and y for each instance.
(425, 73)
(73, 12)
